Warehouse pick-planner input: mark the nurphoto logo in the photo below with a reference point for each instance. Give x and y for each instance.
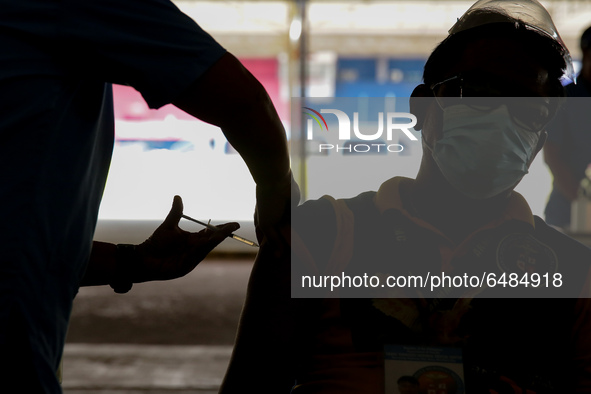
(395, 123)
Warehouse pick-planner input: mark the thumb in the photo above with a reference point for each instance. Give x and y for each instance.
(174, 216)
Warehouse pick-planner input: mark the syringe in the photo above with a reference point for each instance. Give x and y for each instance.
(214, 228)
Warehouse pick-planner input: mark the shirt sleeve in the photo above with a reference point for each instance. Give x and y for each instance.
(147, 44)
(314, 225)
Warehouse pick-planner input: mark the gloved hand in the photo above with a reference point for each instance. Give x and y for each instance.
(171, 252)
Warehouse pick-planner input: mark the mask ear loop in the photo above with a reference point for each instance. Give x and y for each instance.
(426, 144)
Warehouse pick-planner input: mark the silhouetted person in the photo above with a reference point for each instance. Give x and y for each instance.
(59, 59)
(489, 90)
(568, 149)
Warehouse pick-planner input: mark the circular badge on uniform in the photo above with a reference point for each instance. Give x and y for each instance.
(521, 253)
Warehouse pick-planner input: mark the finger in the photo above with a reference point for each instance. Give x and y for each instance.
(226, 229)
(206, 240)
(174, 216)
(223, 232)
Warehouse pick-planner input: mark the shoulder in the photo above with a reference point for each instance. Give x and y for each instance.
(328, 212)
(313, 214)
(309, 208)
(323, 223)
(313, 224)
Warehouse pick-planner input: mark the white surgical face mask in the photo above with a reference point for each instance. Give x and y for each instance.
(482, 154)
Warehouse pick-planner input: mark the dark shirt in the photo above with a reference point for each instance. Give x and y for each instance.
(58, 59)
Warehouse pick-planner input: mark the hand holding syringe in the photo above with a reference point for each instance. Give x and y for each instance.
(214, 228)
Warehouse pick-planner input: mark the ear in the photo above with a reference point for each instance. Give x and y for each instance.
(418, 104)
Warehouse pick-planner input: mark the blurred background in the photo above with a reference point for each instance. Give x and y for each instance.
(177, 336)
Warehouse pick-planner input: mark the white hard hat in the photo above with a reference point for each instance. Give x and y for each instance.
(528, 13)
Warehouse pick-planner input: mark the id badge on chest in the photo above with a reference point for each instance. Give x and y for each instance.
(423, 370)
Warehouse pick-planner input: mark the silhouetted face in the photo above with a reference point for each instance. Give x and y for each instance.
(484, 123)
(499, 65)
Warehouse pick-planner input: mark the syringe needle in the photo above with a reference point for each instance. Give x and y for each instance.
(212, 227)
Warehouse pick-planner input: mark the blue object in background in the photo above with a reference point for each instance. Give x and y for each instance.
(373, 77)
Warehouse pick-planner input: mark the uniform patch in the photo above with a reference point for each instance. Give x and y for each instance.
(522, 253)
